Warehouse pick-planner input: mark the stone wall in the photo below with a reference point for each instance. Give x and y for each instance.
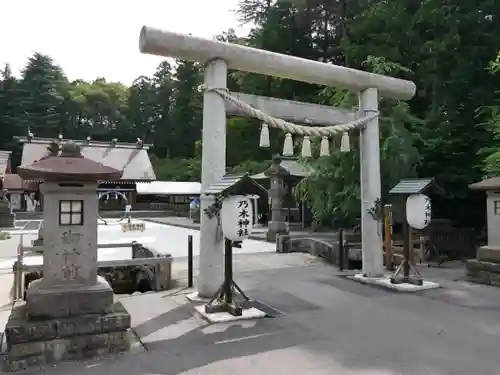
(325, 247)
(126, 279)
(483, 272)
(73, 338)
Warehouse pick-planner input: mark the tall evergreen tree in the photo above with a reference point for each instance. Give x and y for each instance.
(41, 96)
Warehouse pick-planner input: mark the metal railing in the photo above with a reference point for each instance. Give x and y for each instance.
(18, 265)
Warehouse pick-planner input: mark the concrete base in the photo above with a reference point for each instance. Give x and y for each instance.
(275, 228)
(386, 283)
(488, 254)
(44, 302)
(223, 317)
(42, 342)
(195, 298)
(483, 272)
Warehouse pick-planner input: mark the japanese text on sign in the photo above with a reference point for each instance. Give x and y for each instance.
(129, 227)
(243, 218)
(427, 209)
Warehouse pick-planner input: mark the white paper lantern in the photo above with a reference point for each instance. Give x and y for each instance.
(418, 211)
(236, 217)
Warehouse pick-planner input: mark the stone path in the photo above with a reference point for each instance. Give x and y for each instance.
(331, 326)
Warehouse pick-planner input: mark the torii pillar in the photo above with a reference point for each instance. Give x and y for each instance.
(218, 57)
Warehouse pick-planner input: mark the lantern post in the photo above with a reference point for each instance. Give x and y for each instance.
(418, 216)
(233, 211)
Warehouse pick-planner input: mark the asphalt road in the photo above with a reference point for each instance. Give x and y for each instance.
(331, 325)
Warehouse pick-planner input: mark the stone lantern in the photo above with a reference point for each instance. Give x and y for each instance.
(277, 192)
(70, 313)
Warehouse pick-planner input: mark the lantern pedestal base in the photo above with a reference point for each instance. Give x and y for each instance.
(223, 301)
(385, 282)
(223, 317)
(229, 298)
(413, 278)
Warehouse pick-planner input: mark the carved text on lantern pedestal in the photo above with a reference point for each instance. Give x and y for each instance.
(70, 256)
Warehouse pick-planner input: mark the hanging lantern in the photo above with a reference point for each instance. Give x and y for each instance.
(288, 145)
(324, 149)
(306, 147)
(236, 216)
(345, 144)
(264, 136)
(418, 211)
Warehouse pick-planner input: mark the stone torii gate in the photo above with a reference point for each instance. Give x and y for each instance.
(218, 57)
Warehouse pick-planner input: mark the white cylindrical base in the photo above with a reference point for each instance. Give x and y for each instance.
(213, 168)
(371, 229)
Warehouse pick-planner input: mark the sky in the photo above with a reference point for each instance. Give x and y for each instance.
(100, 38)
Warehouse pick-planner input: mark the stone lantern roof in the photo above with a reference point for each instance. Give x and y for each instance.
(276, 169)
(66, 163)
(488, 184)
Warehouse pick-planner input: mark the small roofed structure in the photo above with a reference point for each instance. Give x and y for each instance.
(409, 186)
(5, 167)
(169, 188)
(230, 184)
(12, 184)
(416, 186)
(69, 166)
(70, 290)
(171, 196)
(130, 158)
(233, 184)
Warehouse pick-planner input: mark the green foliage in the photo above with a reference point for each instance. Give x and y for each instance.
(177, 169)
(449, 131)
(492, 115)
(4, 236)
(251, 167)
(333, 189)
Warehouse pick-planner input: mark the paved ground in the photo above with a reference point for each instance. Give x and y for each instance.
(331, 326)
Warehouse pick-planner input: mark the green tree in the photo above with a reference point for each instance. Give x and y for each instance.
(186, 112)
(333, 189)
(8, 110)
(97, 109)
(142, 112)
(41, 95)
(177, 169)
(164, 139)
(492, 113)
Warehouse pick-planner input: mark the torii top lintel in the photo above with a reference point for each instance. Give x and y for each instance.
(187, 47)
